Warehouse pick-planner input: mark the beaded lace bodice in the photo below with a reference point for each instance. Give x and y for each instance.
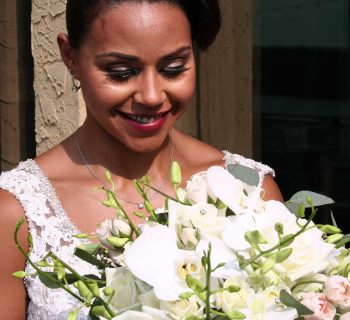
(52, 229)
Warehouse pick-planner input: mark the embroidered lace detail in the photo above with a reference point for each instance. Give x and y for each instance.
(262, 169)
(52, 229)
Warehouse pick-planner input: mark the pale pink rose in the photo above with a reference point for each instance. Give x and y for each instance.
(337, 290)
(318, 303)
(345, 316)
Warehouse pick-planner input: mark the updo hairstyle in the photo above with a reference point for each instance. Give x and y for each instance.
(204, 17)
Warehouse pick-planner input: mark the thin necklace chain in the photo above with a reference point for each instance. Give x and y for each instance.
(140, 205)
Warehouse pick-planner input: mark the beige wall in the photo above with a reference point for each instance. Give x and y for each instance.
(57, 111)
(221, 110)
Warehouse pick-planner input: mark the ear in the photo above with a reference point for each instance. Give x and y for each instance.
(68, 54)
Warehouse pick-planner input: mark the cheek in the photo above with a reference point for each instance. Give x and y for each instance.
(184, 90)
(104, 94)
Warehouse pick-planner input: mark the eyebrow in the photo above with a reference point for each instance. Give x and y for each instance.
(132, 58)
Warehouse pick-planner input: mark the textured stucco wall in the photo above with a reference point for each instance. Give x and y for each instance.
(58, 111)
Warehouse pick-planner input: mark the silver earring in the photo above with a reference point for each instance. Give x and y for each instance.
(75, 87)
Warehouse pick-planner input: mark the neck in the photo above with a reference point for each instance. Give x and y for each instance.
(101, 151)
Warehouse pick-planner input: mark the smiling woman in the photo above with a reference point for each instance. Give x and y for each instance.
(135, 64)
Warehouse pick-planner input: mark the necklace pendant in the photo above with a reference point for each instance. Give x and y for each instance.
(140, 205)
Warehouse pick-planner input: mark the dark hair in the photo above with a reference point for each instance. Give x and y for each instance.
(204, 17)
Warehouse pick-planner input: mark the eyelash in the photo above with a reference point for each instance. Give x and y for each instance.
(125, 75)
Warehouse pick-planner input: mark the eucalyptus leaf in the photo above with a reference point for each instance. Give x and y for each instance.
(245, 174)
(300, 197)
(289, 301)
(86, 256)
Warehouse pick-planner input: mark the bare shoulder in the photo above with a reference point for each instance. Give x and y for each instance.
(198, 154)
(13, 302)
(49, 160)
(271, 189)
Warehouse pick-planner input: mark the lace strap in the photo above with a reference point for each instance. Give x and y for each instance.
(262, 169)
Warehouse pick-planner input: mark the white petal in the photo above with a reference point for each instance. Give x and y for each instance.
(220, 253)
(152, 254)
(133, 315)
(226, 187)
(233, 235)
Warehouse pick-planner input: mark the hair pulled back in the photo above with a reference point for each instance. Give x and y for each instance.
(204, 17)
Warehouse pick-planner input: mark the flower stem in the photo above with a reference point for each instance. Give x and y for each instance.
(281, 244)
(38, 270)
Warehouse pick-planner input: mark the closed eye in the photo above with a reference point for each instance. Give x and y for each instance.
(173, 72)
(122, 75)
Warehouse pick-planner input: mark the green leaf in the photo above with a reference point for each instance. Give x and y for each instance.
(329, 229)
(53, 284)
(268, 264)
(86, 256)
(192, 317)
(186, 295)
(19, 274)
(287, 240)
(343, 241)
(283, 255)
(117, 242)
(334, 238)
(48, 282)
(245, 174)
(233, 289)
(194, 284)
(73, 314)
(302, 196)
(91, 248)
(289, 301)
(279, 228)
(175, 173)
(233, 314)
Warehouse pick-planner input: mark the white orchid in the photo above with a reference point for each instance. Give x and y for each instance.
(235, 194)
(155, 258)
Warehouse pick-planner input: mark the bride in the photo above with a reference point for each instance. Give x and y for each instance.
(135, 64)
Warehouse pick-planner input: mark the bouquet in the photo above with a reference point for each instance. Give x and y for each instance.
(216, 250)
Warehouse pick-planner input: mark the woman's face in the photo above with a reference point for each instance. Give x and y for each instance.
(137, 72)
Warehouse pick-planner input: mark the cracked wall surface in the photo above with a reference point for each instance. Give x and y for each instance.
(58, 111)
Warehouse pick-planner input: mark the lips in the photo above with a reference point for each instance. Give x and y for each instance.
(144, 119)
(145, 122)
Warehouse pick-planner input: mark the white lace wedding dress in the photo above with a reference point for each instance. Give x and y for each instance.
(52, 230)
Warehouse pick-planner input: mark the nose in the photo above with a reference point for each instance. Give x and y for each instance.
(150, 91)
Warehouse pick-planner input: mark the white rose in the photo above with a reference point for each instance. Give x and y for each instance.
(263, 306)
(310, 255)
(188, 237)
(126, 291)
(181, 308)
(236, 300)
(147, 313)
(103, 232)
(204, 216)
(121, 228)
(198, 189)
